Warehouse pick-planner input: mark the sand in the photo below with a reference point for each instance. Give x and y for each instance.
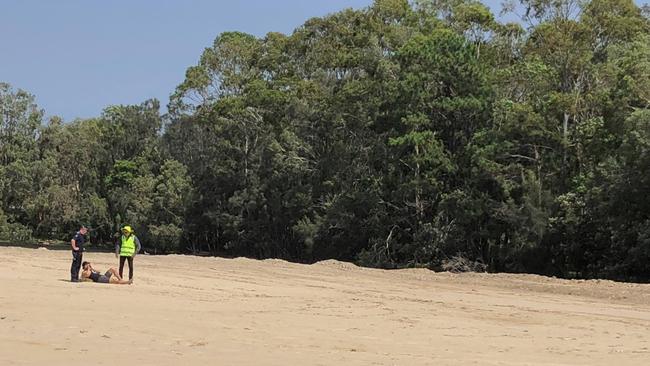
(185, 310)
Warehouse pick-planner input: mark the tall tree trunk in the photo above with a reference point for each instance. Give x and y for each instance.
(565, 140)
(419, 209)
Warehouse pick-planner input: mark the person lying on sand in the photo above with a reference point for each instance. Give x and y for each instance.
(111, 276)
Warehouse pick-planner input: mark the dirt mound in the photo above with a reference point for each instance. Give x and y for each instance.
(333, 263)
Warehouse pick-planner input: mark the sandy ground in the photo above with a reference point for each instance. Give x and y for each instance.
(185, 310)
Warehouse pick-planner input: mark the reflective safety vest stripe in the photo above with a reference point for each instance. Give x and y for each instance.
(127, 247)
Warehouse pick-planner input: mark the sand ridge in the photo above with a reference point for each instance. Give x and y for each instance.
(194, 310)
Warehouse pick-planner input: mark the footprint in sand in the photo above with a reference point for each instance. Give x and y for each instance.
(198, 344)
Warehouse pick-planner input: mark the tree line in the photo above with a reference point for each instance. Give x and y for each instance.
(405, 134)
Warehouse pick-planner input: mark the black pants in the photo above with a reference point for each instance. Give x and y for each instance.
(77, 257)
(130, 259)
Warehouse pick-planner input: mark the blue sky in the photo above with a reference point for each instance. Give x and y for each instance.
(79, 56)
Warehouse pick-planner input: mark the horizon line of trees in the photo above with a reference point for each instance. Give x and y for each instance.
(405, 134)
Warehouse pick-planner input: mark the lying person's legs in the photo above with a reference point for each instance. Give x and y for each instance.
(118, 281)
(113, 272)
(108, 277)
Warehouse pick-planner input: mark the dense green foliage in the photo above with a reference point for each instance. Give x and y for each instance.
(404, 134)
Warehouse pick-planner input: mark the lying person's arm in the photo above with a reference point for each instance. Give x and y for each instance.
(85, 276)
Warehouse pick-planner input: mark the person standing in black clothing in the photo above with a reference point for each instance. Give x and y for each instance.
(77, 253)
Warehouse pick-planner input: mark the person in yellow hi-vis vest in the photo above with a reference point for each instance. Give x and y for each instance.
(127, 247)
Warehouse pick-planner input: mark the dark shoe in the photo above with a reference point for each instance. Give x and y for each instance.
(74, 280)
